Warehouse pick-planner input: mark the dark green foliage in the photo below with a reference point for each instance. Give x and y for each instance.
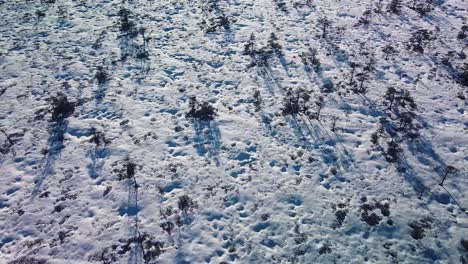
(393, 151)
(418, 228)
(281, 5)
(464, 75)
(340, 217)
(150, 247)
(203, 111)
(152, 250)
(260, 57)
(375, 138)
(420, 39)
(399, 101)
(274, 45)
(325, 249)
(324, 24)
(40, 14)
(249, 47)
(448, 170)
(101, 75)
(127, 26)
(221, 21)
(371, 219)
(167, 226)
(394, 6)
(6, 142)
(310, 59)
(462, 33)
(464, 244)
(257, 100)
(327, 86)
(127, 171)
(389, 50)
(98, 138)
(359, 87)
(61, 108)
(369, 216)
(400, 105)
(295, 102)
(423, 7)
(365, 18)
(186, 204)
(130, 170)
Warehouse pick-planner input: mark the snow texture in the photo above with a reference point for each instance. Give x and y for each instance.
(233, 131)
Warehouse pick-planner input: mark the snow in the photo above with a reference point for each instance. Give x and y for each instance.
(252, 185)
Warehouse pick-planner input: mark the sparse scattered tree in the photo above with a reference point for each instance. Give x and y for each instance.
(448, 170)
(274, 45)
(310, 59)
(394, 6)
(464, 75)
(249, 47)
(101, 75)
(324, 25)
(389, 50)
(365, 18)
(423, 7)
(257, 100)
(399, 101)
(296, 102)
(127, 26)
(61, 108)
(375, 138)
(186, 204)
(420, 39)
(204, 111)
(393, 151)
(167, 226)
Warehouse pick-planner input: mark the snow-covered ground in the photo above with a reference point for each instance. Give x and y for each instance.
(108, 154)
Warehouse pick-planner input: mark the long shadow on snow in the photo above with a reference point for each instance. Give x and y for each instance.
(55, 147)
(270, 81)
(329, 156)
(100, 93)
(402, 165)
(97, 156)
(127, 46)
(207, 139)
(136, 253)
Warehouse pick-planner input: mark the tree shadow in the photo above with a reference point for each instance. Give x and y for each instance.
(97, 156)
(207, 138)
(54, 150)
(271, 82)
(100, 93)
(411, 176)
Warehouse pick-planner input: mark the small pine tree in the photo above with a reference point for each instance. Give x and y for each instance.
(274, 45)
(393, 151)
(420, 39)
(101, 75)
(249, 47)
(389, 50)
(394, 6)
(61, 108)
(375, 138)
(203, 111)
(257, 100)
(186, 204)
(324, 24)
(365, 18)
(464, 75)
